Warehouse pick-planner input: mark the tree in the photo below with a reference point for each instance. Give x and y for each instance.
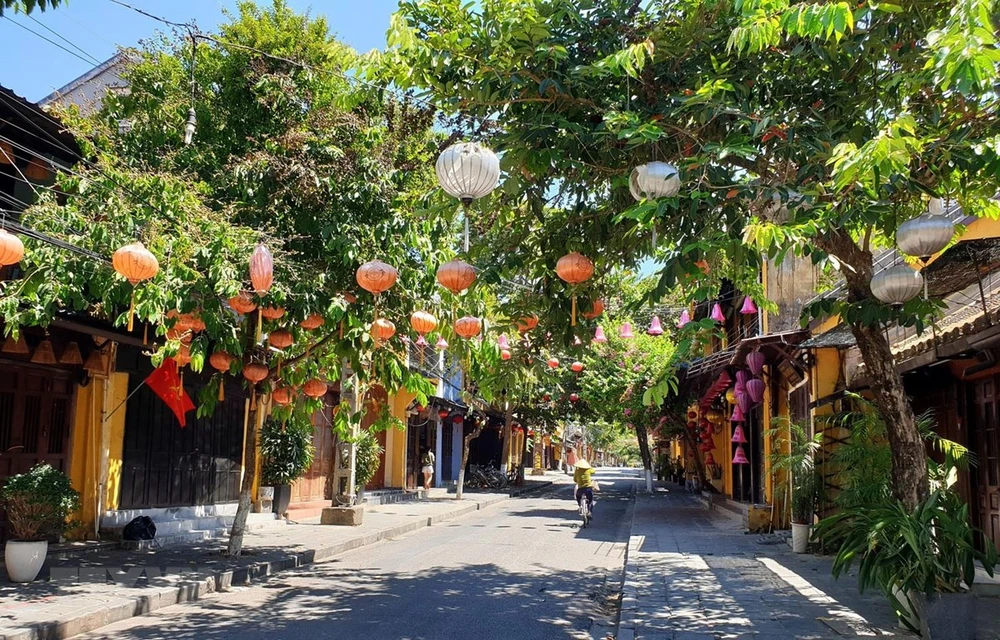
(813, 128)
(289, 151)
(27, 6)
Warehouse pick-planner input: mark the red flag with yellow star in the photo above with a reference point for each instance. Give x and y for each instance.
(165, 382)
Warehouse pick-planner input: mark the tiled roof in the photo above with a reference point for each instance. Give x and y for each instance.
(839, 337)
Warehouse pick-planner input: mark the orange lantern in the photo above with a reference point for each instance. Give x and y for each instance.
(134, 263)
(314, 388)
(255, 372)
(349, 298)
(553, 363)
(382, 330)
(596, 309)
(11, 248)
(6, 153)
(574, 268)
(38, 170)
(468, 327)
(272, 313)
(183, 357)
(576, 367)
(261, 269)
(220, 361)
(703, 265)
(376, 276)
(314, 321)
(194, 322)
(423, 322)
(456, 276)
(182, 321)
(281, 338)
(527, 323)
(283, 395)
(242, 303)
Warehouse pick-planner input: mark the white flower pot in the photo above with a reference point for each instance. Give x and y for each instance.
(24, 559)
(908, 618)
(800, 537)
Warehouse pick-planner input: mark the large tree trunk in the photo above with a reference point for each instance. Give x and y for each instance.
(465, 459)
(647, 458)
(249, 476)
(507, 432)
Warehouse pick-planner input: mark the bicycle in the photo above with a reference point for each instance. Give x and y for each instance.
(586, 507)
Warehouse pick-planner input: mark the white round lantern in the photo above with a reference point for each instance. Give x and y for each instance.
(468, 171)
(897, 284)
(654, 180)
(925, 235)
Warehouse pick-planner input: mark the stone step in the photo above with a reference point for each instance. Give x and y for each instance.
(121, 517)
(172, 532)
(377, 498)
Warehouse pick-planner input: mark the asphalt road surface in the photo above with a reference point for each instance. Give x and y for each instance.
(521, 570)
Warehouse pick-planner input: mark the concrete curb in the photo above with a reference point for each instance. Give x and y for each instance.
(626, 623)
(152, 598)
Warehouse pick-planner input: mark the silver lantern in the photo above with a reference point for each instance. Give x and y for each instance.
(468, 171)
(654, 180)
(926, 235)
(897, 284)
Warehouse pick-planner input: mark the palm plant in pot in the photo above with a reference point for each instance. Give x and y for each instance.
(367, 459)
(793, 458)
(287, 452)
(38, 505)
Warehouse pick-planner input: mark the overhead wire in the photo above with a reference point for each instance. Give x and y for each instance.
(47, 39)
(62, 37)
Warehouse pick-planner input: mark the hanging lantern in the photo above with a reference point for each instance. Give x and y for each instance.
(654, 180)
(44, 353)
(314, 321)
(467, 171)
(96, 363)
(897, 284)
(684, 319)
(6, 153)
(625, 332)
(183, 357)
(703, 266)
(442, 344)
(744, 402)
(505, 354)
(11, 248)
(38, 170)
(738, 436)
(376, 276)
(255, 372)
(655, 328)
(574, 268)
(748, 308)
(468, 327)
(596, 309)
(459, 419)
(283, 395)
(756, 362)
(713, 416)
(709, 460)
(19, 346)
(243, 303)
(741, 377)
(707, 445)
(546, 397)
(220, 361)
(134, 263)
(71, 354)
(443, 413)
(261, 269)
(382, 330)
(574, 398)
(737, 415)
(755, 389)
(272, 313)
(314, 388)
(599, 336)
(280, 338)
(577, 367)
(502, 343)
(740, 457)
(527, 323)
(456, 276)
(423, 323)
(553, 363)
(928, 234)
(717, 314)
(731, 395)
(195, 322)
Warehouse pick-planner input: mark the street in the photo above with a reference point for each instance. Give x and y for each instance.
(521, 570)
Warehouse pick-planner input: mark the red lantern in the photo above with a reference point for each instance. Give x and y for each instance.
(261, 269)
(505, 355)
(576, 367)
(596, 309)
(458, 419)
(255, 372)
(281, 338)
(376, 276)
(283, 395)
(220, 360)
(314, 388)
(11, 248)
(468, 327)
(242, 303)
(456, 276)
(272, 313)
(314, 321)
(443, 413)
(546, 397)
(553, 363)
(527, 323)
(574, 397)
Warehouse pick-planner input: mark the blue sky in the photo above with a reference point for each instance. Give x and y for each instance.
(34, 68)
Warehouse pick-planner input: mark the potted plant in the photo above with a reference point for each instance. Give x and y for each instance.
(923, 560)
(367, 457)
(287, 452)
(793, 458)
(805, 495)
(38, 504)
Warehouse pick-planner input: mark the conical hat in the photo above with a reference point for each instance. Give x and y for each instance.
(582, 464)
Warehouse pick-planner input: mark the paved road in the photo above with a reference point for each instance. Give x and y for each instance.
(522, 570)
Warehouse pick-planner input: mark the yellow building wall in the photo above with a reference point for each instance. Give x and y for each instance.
(115, 434)
(395, 442)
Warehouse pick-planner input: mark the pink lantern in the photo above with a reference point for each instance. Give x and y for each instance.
(740, 457)
(502, 342)
(420, 341)
(744, 402)
(599, 336)
(738, 435)
(709, 460)
(748, 308)
(626, 331)
(737, 414)
(442, 344)
(742, 376)
(708, 444)
(655, 328)
(755, 389)
(717, 314)
(756, 361)
(576, 341)
(684, 319)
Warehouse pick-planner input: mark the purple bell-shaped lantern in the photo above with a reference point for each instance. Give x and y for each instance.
(502, 343)
(717, 314)
(625, 332)
(742, 376)
(738, 436)
(684, 319)
(748, 308)
(599, 336)
(740, 457)
(755, 389)
(655, 328)
(442, 344)
(737, 415)
(755, 362)
(743, 402)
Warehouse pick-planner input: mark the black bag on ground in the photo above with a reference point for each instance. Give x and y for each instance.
(141, 528)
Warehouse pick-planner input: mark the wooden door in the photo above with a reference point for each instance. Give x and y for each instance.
(986, 441)
(421, 435)
(315, 483)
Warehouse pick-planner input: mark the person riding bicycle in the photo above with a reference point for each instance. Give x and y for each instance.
(585, 484)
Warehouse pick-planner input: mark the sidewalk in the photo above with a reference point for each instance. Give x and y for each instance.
(96, 588)
(692, 574)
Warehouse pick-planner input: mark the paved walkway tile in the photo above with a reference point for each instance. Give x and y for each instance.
(693, 574)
